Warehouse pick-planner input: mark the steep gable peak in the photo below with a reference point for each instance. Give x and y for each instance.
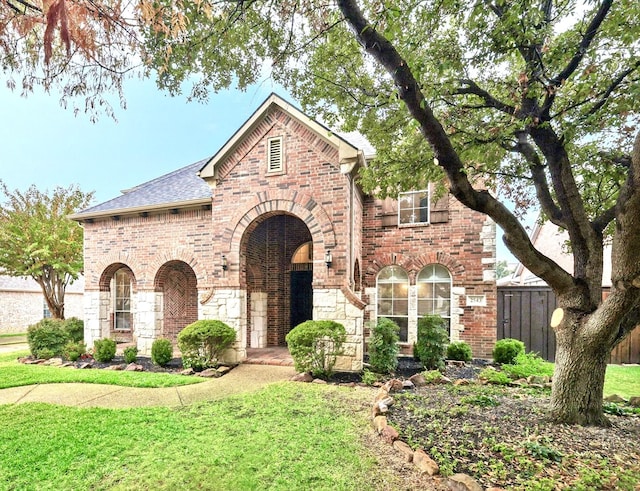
(349, 156)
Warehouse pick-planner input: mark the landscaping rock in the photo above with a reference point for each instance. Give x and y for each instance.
(389, 434)
(418, 380)
(456, 363)
(381, 394)
(223, 369)
(443, 380)
(53, 362)
(537, 380)
(634, 401)
(134, 367)
(302, 377)
(319, 381)
(84, 366)
(463, 482)
(379, 423)
(461, 381)
(116, 367)
(615, 398)
(209, 373)
(393, 385)
(187, 371)
(425, 463)
(408, 385)
(403, 449)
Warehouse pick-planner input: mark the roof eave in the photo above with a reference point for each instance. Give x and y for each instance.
(80, 217)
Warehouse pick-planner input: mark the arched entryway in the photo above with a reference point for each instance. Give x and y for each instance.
(177, 283)
(278, 251)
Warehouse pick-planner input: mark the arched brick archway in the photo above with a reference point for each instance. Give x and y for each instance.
(278, 294)
(177, 284)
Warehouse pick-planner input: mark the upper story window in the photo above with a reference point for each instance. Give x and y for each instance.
(275, 160)
(413, 207)
(393, 297)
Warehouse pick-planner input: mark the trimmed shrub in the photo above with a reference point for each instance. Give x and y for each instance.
(104, 350)
(527, 364)
(74, 328)
(315, 346)
(506, 350)
(130, 354)
(432, 342)
(203, 342)
(161, 351)
(48, 334)
(45, 354)
(74, 350)
(383, 346)
(459, 350)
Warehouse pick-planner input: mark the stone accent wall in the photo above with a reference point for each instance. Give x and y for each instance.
(332, 304)
(229, 306)
(20, 309)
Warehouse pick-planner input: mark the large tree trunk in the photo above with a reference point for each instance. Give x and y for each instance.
(578, 380)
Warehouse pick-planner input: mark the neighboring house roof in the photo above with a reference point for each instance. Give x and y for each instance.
(22, 284)
(552, 242)
(187, 187)
(181, 187)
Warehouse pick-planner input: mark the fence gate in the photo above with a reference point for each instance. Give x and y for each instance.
(524, 313)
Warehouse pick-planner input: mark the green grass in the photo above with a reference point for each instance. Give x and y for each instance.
(14, 374)
(13, 335)
(286, 436)
(622, 380)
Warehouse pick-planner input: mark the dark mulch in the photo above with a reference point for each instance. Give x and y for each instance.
(174, 366)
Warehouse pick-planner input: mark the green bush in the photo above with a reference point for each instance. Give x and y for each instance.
(161, 351)
(432, 342)
(130, 354)
(45, 354)
(493, 376)
(369, 377)
(459, 350)
(74, 350)
(506, 350)
(203, 342)
(104, 350)
(48, 334)
(315, 346)
(383, 346)
(74, 328)
(527, 364)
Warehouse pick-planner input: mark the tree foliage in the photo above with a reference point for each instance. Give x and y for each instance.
(37, 239)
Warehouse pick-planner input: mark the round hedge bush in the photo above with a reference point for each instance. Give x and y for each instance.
(203, 343)
(161, 352)
(315, 346)
(459, 350)
(506, 350)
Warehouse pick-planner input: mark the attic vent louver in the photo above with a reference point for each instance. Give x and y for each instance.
(274, 157)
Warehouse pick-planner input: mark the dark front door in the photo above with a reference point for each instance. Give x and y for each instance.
(301, 297)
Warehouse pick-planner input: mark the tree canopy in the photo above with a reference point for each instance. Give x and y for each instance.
(37, 239)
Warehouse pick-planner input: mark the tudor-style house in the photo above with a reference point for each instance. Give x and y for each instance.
(274, 230)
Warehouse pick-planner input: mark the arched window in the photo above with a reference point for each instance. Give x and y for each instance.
(122, 300)
(434, 291)
(393, 297)
(302, 259)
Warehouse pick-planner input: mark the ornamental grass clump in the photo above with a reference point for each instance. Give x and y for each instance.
(383, 346)
(203, 343)
(316, 345)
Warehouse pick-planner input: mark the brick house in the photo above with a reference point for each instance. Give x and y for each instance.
(274, 230)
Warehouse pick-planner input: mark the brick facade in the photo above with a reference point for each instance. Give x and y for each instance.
(254, 222)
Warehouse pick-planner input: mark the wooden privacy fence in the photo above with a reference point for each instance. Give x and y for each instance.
(524, 313)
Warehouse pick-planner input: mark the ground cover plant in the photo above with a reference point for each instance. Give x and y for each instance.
(15, 374)
(287, 436)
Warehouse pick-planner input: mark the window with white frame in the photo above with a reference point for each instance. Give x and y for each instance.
(393, 297)
(122, 300)
(413, 207)
(434, 292)
(275, 155)
(46, 313)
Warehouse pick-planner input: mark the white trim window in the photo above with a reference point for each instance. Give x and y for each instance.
(434, 292)
(393, 297)
(122, 301)
(413, 207)
(275, 160)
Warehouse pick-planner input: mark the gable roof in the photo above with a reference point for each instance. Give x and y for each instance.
(349, 155)
(179, 188)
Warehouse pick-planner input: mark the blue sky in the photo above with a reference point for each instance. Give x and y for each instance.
(46, 145)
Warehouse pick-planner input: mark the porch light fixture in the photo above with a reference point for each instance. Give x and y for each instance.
(328, 259)
(225, 265)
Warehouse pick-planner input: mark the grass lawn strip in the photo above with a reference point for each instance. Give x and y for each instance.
(287, 436)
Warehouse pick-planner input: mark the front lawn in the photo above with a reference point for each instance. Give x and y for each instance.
(622, 380)
(286, 436)
(15, 374)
